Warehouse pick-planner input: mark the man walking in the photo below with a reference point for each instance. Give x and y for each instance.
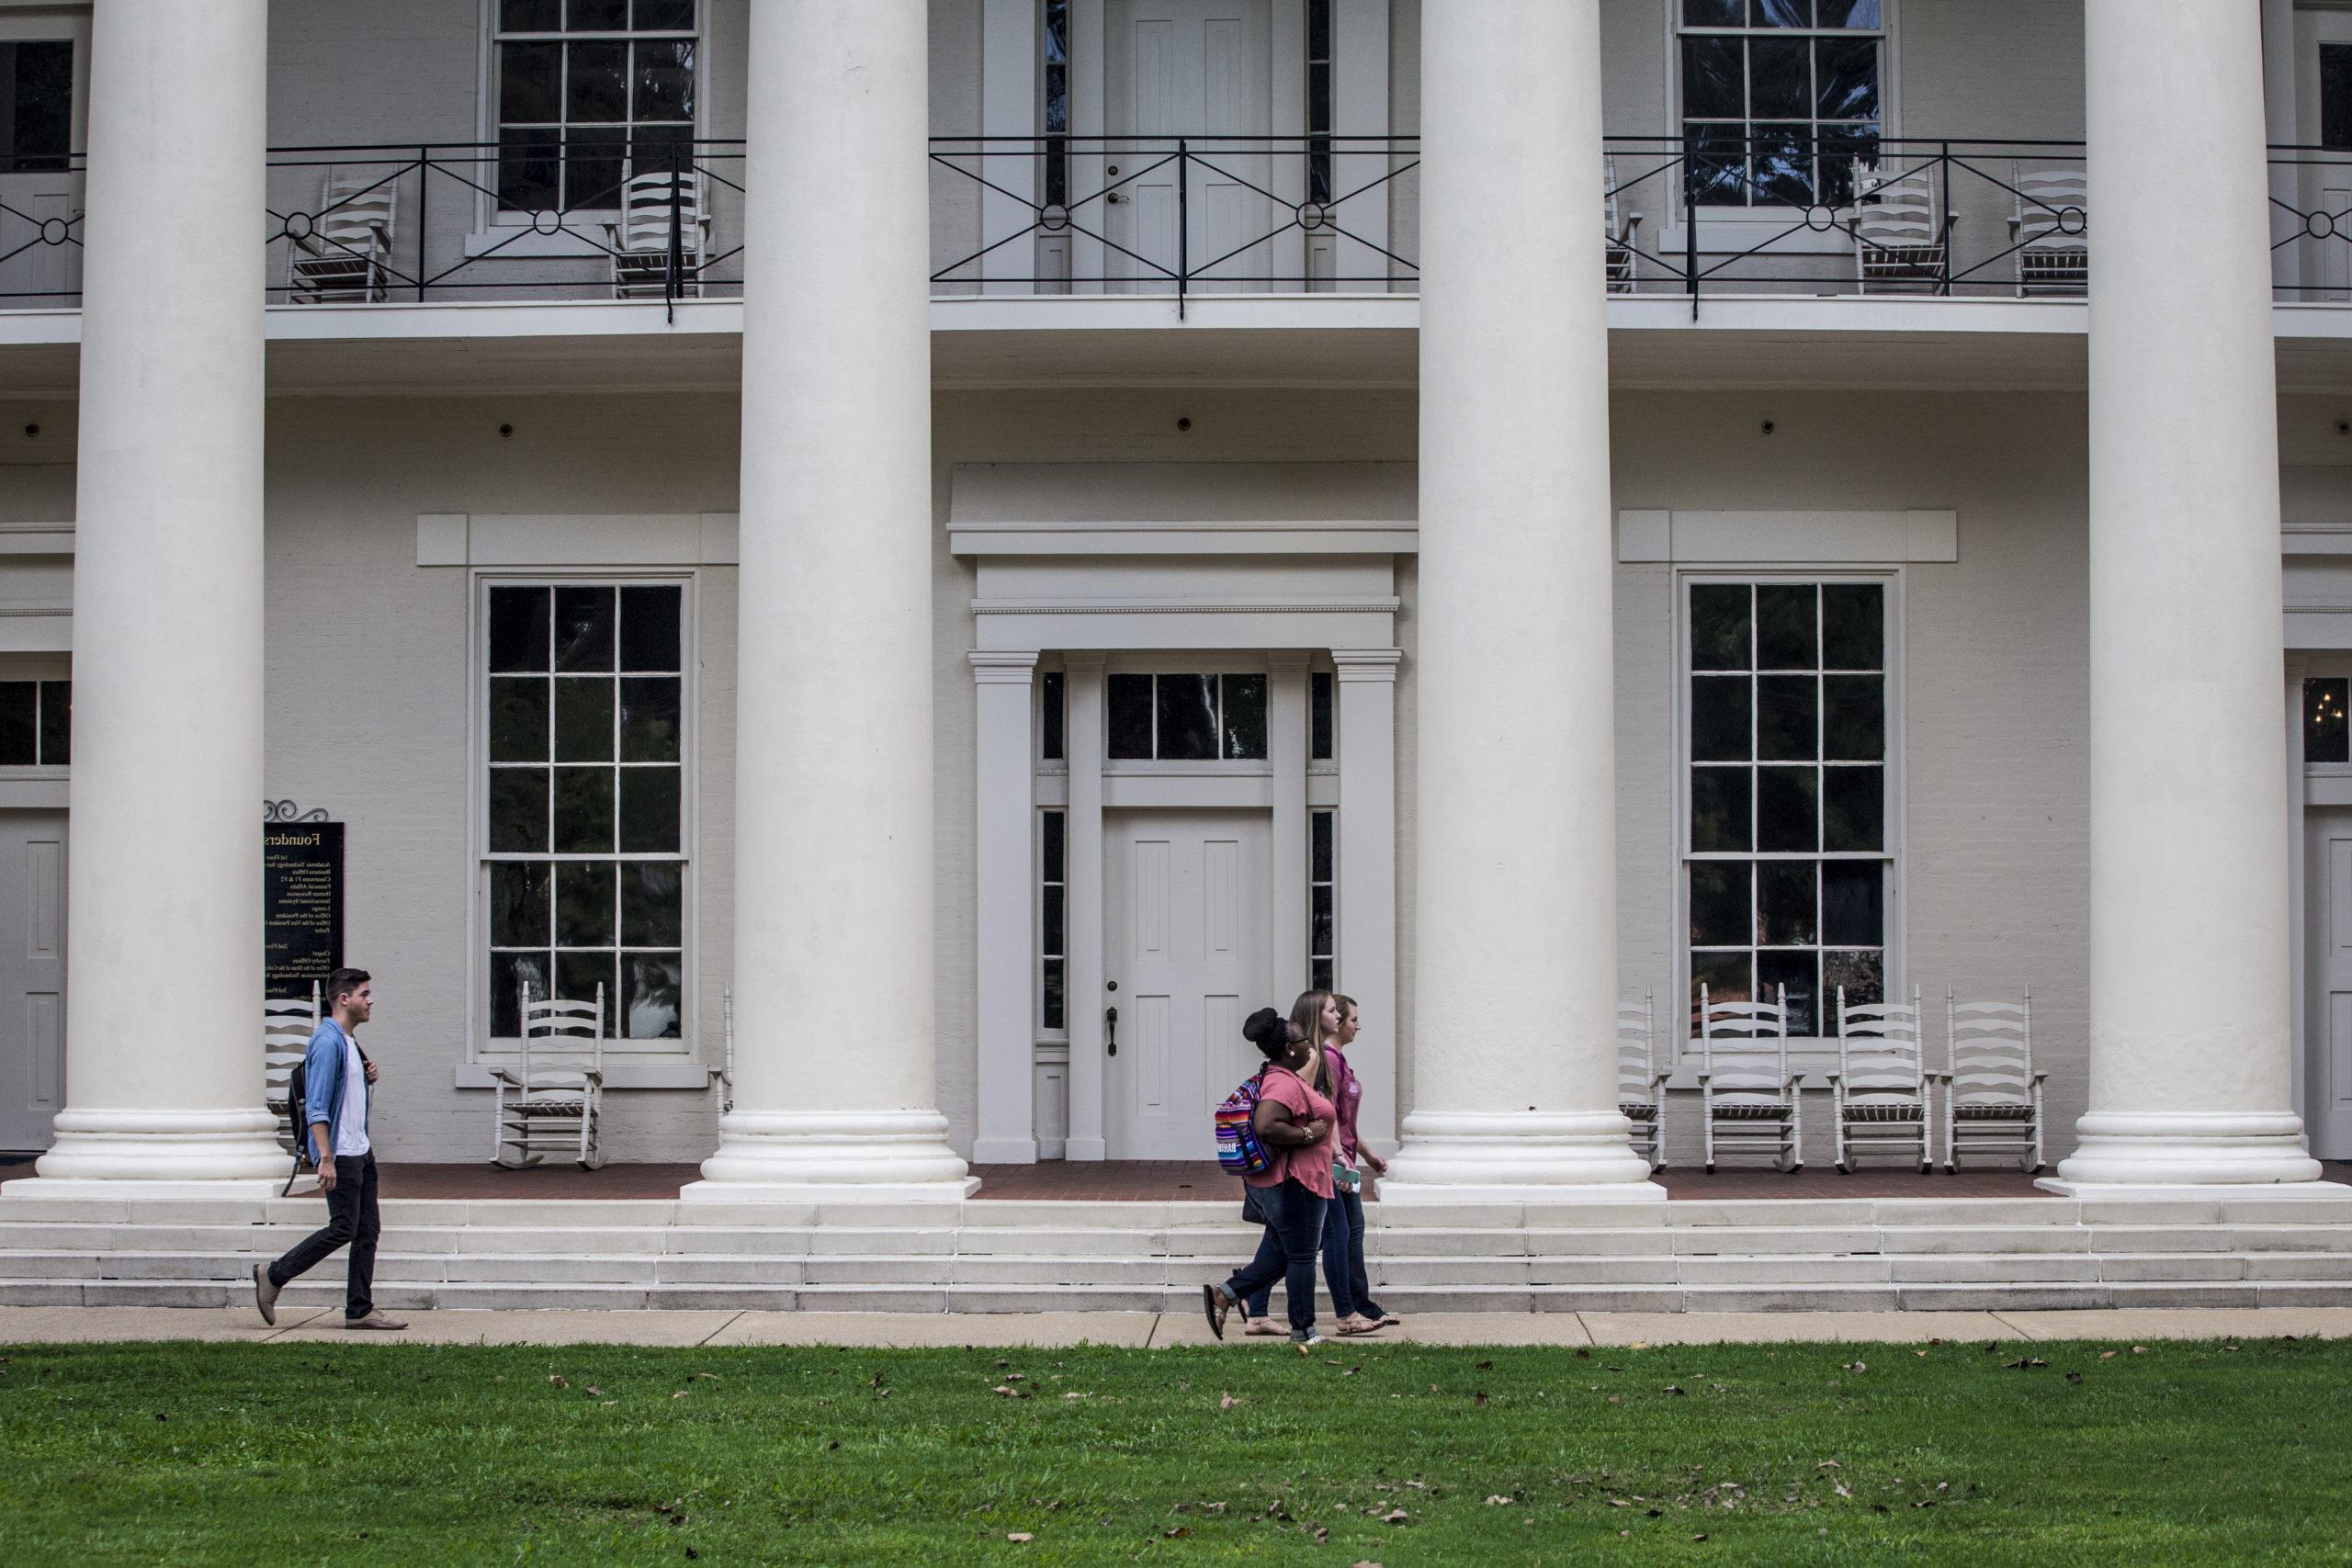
(335, 1080)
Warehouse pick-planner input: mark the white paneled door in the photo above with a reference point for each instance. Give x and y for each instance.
(32, 976)
(1195, 69)
(1186, 904)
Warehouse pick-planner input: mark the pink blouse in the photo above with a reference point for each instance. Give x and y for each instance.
(1309, 1165)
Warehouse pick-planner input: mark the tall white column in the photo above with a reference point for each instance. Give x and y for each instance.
(1515, 987)
(2190, 1056)
(1082, 908)
(1004, 936)
(163, 885)
(1368, 868)
(835, 1087)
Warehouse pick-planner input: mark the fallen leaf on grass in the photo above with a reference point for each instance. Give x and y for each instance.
(559, 1380)
(1480, 1398)
(1077, 1396)
(2139, 1349)
(1857, 1367)
(1179, 1533)
(1613, 1399)
(1843, 1490)
(1019, 1536)
(2107, 1355)
(1321, 1535)
(1485, 1366)
(2025, 1363)
(1829, 1464)
(680, 1395)
(2073, 1377)
(1225, 1402)
(1674, 1388)
(1499, 1501)
(1009, 1392)
(1395, 1516)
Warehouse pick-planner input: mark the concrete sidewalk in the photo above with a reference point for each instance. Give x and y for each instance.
(1139, 1330)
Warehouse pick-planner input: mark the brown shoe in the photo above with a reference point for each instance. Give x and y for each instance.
(265, 1294)
(375, 1320)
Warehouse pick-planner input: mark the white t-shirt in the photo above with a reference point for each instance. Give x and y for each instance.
(351, 1123)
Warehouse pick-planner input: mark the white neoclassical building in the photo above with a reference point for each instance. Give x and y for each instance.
(1001, 535)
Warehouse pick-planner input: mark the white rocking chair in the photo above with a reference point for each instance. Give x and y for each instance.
(640, 236)
(1622, 228)
(1900, 238)
(1992, 1094)
(723, 1080)
(1751, 1097)
(287, 1025)
(345, 255)
(1881, 1085)
(551, 1098)
(2051, 229)
(1641, 1085)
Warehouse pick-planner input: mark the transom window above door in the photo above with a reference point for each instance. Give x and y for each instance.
(590, 92)
(1781, 98)
(1186, 718)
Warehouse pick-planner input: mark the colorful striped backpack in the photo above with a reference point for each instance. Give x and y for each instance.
(1239, 1147)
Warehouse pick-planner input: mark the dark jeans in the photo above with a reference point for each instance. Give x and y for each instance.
(1344, 1271)
(1295, 1228)
(351, 1221)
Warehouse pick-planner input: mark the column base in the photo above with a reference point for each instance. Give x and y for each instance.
(2185, 1148)
(205, 1148)
(1004, 1151)
(840, 1156)
(1506, 1157)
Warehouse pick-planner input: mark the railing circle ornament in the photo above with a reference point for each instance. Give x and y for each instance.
(545, 222)
(2320, 225)
(1053, 218)
(1314, 215)
(56, 231)
(299, 225)
(2072, 220)
(1821, 220)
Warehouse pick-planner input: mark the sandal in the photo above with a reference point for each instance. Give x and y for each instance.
(1360, 1325)
(1265, 1326)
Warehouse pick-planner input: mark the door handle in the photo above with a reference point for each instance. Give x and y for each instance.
(1110, 1030)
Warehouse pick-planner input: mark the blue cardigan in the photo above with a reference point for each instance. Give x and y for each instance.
(322, 1082)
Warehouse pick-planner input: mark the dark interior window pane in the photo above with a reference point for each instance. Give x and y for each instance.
(1788, 718)
(1779, 13)
(1784, 637)
(1053, 834)
(1713, 13)
(1800, 973)
(1786, 813)
(1318, 98)
(595, 89)
(1719, 811)
(583, 630)
(1863, 976)
(1050, 715)
(1719, 718)
(2335, 95)
(584, 811)
(649, 810)
(1853, 809)
(578, 976)
(1049, 922)
(1320, 700)
(652, 984)
(1130, 704)
(518, 628)
(1318, 926)
(650, 620)
(510, 973)
(663, 15)
(1719, 626)
(584, 719)
(653, 903)
(1320, 857)
(1785, 915)
(1846, 78)
(530, 15)
(1052, 1014)
(1778, 78)
(20, 723)
(662, 85)
(518, 903)
(1853, 626)
(56, 723)
(530, 173)
(1319, 973)
(1853, 903)
(1318, 30)
(1849, 12)
(593, 169)
(1187, 718)
(40, 128)
(599, 16)
(1853, 724)
(1713, 87)
(530, 83)
(1245, 718)
(584, 904)
(650, 719)
(1723, 978)
(1837, 149)
(518, 810)
(1783, 164)
(518, 719)
(1721, 909)
(2324, 738)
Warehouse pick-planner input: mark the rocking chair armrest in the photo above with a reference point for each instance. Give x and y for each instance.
(1658, 1079)
(2038, 1077)
(506, 1077)
(594, 1075)
(1832, 1079)
(1796, 1082)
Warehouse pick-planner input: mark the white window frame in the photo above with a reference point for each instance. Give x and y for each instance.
(1205, 662)
(480, 1048)
(1672, 237)
(1808, 1054)
(494, 225)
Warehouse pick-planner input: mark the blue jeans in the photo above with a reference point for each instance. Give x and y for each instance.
(1344, 1272)
(1286, 1252)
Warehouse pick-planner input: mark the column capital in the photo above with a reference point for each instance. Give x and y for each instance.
(994, 667)
(1368, 664)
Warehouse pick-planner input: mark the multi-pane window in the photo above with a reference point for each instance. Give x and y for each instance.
(1187, 719)
(1056, 103)
(1779, 98)
(584, 798)
(2326, 739)
(1787, 743)
(1322, 914)
(2335, 97)
(1053, 708)
(590, 92)
(1320, 700)
(1053, 904)
(1319, 100)
(36, 106)
(35, 724)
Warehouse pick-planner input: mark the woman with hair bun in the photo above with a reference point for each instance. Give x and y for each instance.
(1295, 1122)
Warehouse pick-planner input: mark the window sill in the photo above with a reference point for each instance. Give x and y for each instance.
(617, 1074)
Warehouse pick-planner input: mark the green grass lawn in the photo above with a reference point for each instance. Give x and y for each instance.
(287, 1453)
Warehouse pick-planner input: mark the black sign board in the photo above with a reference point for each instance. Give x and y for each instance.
(301, 904)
